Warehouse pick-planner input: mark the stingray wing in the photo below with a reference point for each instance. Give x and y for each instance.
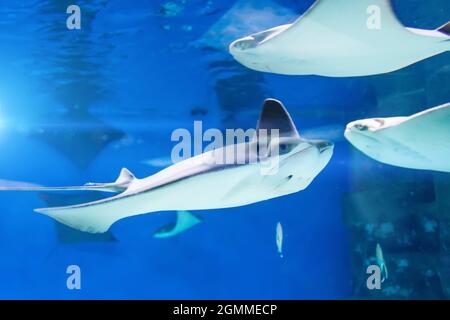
(68, 235)
(353, 20)
(92, 217)
(427, 133)
(423, 135)
(440, 114)
(433, 122)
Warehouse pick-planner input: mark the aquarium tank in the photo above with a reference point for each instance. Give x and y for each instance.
(217, 149)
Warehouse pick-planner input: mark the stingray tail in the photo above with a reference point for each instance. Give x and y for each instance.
(185, 220)
(445, 30)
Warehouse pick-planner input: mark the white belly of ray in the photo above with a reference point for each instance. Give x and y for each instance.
(211, 190)
(336, 38)
(337, 55)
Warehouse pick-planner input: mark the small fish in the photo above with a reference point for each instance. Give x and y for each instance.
(381, 263)
(334, 38)
(279, 239)
(192, 183)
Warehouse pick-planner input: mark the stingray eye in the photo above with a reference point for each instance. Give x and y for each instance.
(361, 127)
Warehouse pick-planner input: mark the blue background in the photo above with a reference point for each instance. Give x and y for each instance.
(136, 71)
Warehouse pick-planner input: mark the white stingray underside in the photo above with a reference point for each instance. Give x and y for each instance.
(421, 141)
(427, 133)
(345, 19)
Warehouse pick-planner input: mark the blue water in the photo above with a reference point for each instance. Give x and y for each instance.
(77, 106)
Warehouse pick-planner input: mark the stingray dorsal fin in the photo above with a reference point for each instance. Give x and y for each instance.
(125, 177)
(186, 217)
(120, 185)
(275, 116)
(445, 29)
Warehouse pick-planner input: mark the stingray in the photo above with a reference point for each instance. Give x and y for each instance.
(16, 184)
(286, 164)
(341, 38)
(184, 221)
(381, 262)
(420, 141)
